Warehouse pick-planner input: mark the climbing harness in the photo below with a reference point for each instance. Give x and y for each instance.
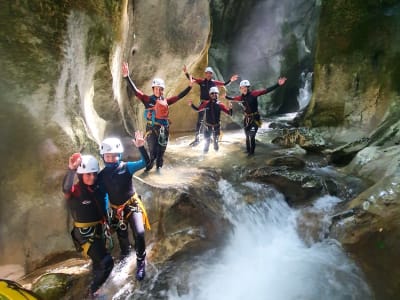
(249, 118)
(134, 204)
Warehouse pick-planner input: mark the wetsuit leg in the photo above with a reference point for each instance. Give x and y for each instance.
(161, 149)
(216, 133)
(199, 122)
(103, 263)
(123, 240)
(252, 134)
(136, 223)
(207, 137)
(152, 143)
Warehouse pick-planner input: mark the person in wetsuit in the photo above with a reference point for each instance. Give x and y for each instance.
(156, 114)
(249, 100)
(126, 206)
(205, 84)
(87, 205)
(212, 109)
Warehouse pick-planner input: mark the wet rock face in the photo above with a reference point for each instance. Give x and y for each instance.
(184, 218)
(352, 85)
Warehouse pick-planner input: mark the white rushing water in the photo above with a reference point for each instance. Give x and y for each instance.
(265, 258)
(305, 91)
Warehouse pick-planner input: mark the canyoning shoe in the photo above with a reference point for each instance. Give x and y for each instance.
(216, 146)
(140, 269)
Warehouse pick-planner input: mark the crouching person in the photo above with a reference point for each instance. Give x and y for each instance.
(87, 205)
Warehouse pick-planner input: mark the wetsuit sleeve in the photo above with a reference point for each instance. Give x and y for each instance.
(182, 94)
(203, 105)
(225, 109)
(68, 181)
(134, 166)
(264, 91)
(194, 107)
(220, 83)
(197, 80)
(138, 93)
(236, 98)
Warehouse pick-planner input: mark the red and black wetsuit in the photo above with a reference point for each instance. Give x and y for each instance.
(157, 128)
(87, 205)
(205, 86)
(212, 109)
(251, 120)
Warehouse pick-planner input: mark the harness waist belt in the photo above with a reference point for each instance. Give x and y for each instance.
(90, 224)
(134, 200)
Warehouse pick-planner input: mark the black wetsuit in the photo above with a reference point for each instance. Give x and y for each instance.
(205, 86)
(212, 109)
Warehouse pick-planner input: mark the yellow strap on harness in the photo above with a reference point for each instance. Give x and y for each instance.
(83, 225)
(85, 249)
(135, 200)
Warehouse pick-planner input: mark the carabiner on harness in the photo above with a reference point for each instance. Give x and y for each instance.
(108, 238)
(121, 223)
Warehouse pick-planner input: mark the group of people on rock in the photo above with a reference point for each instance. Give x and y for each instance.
(103, 201)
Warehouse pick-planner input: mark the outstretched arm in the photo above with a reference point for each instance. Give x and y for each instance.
(197, 80)
(134, 166)
(182, 94)
(138, 93)
(281, 81)
(226, 110)
(194, 107)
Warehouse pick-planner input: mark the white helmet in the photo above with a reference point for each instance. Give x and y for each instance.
(89, 164)
(214, 89)
(111, 145)
(244, 83)
(158, 82)
(208, 69)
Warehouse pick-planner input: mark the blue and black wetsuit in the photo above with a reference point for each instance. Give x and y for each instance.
(117, 181)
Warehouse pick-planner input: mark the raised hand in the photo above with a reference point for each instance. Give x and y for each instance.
(74, 161)
(282, 80)
(139, 139)
(125, 69)
(234, 77)
(191, 80)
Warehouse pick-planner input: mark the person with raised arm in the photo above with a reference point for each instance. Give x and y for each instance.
(156, 114)
(205, 84)
(249, 101)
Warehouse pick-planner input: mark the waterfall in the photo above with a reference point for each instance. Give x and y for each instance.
(305, 91)
(73, 101)
(265, 258)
